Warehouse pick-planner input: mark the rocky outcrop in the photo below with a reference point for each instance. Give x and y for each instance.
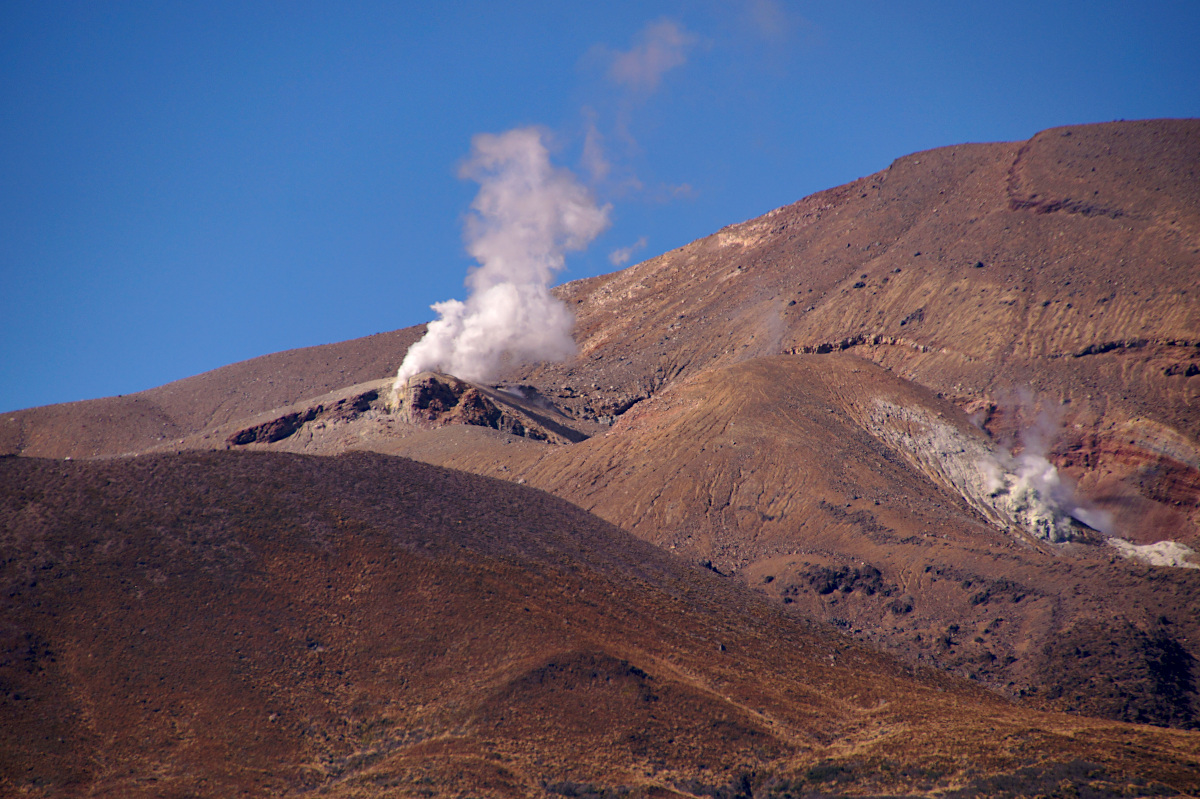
(431, 399)
(279, 428)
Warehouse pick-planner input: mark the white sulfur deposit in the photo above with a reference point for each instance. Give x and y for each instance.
(1023, 492)
(1162, 553)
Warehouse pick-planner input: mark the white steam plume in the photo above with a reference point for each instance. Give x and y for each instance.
(621, 256)
(526, 216)
(662, 46)
(1022, 491)
(1030, 486)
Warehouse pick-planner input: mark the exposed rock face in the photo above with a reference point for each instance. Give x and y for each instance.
(438, 400)
(447, 400)
(343, 410)
(1021, 495)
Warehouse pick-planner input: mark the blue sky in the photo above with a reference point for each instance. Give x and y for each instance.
(185, 185)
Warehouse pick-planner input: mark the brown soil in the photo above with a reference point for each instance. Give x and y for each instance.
(222, 623)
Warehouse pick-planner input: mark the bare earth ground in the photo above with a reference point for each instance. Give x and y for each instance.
(271, 624)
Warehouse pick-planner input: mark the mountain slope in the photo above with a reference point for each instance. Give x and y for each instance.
(785, 472)
(978, 300)
(163, 416)
(208, 624)
(878, 341)
(942, 269)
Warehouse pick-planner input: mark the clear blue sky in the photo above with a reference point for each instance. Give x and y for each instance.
(188, 184)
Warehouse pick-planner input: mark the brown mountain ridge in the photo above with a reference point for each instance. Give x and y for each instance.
(835, 406)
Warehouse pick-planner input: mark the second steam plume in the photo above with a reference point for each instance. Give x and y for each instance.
(527, 215)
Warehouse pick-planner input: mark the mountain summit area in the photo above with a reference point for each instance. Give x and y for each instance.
(892, 491)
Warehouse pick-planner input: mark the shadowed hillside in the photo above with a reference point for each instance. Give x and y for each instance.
(210, 624)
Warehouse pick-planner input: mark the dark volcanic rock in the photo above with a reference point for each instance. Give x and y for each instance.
(344, 410)
(436, 399)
